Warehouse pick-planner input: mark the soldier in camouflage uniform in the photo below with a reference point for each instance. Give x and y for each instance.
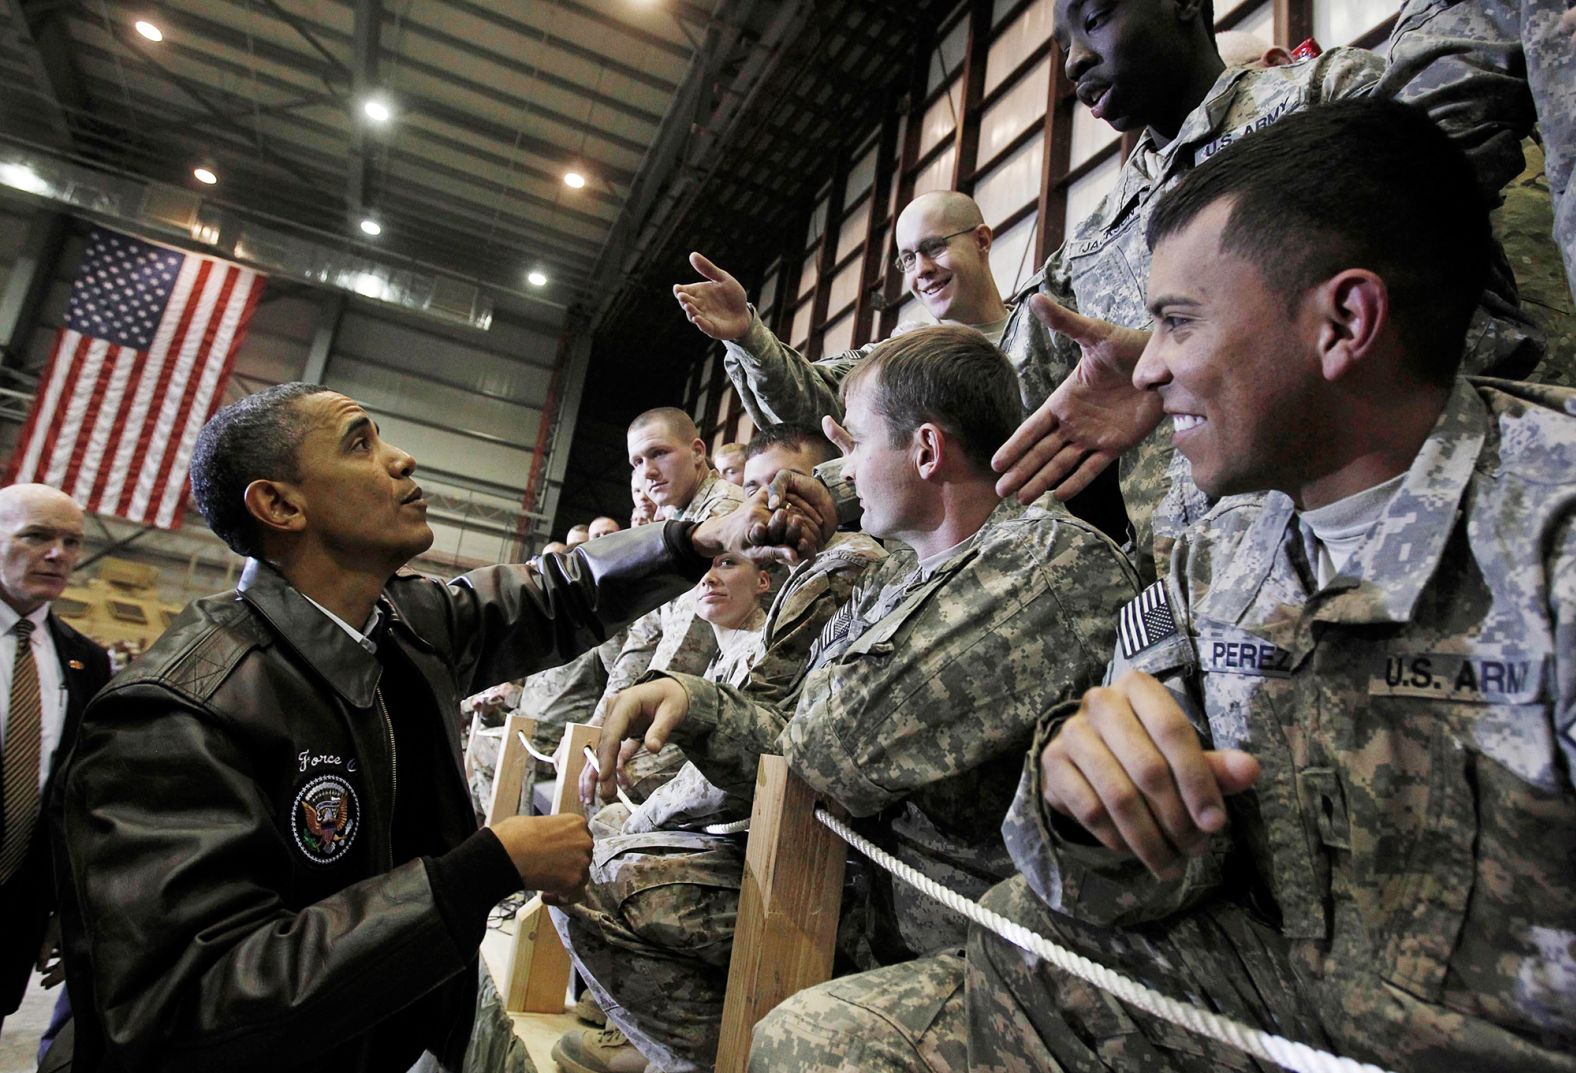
(666, 450)
(918, 696)
(1485, 72)
(945, 263)
(1155, 66)
(944, 255)
(644, 876)
(1381, 651)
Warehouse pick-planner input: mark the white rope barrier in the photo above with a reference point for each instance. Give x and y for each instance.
(1266, 1045)
(537, 754)
(596, 767)
(734, 828)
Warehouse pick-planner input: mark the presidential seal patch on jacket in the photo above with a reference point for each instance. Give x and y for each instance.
(324, 818)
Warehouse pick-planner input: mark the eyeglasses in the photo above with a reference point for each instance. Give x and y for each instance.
(930, 247)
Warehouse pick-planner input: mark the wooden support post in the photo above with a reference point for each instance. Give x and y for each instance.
(538, 977)
(787, 927)
(571, 762)
(509, 775)
(538, 973)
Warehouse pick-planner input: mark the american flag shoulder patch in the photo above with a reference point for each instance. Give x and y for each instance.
(1145, 621)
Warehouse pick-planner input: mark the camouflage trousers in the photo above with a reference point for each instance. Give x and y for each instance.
(1001, 1010)
(647, 771)
(653, 936)
(902, 1017)
(1024, 1014)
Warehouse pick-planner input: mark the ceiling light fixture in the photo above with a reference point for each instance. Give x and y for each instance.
(148, 30)
(205, 175)
(574, 180)
(536, 279)
(371, 227)
(22, 177)
(377, 109)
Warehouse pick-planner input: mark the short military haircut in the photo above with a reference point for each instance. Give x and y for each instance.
(1354, 184)
(792, 437)
(948, 375)
(253, 439)
(675, 420)
(730, 449)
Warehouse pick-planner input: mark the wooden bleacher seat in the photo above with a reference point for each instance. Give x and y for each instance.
(787, 930)
(788, 908)
(538, 976)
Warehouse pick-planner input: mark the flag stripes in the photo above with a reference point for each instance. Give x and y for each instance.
(114, 423)
(1146, 620)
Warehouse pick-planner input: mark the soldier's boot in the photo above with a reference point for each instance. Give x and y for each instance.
(589, 1051)
(588, 1011)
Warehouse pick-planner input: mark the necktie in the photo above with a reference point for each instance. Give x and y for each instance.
(24, 729)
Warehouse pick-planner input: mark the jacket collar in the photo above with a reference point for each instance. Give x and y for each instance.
(319, 642)
(1150, 162)
(1390, 569)
(1007, 510)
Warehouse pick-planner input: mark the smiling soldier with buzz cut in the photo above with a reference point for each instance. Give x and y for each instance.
(1326, 790)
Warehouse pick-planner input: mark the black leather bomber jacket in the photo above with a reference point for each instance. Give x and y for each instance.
(231, 901)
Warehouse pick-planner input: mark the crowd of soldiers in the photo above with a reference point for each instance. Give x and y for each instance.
(1323, 874)
(1207, 606)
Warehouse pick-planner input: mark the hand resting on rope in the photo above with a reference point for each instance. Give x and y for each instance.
(647, 714)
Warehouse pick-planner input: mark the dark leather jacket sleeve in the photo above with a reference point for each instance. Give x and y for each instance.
(579, 598)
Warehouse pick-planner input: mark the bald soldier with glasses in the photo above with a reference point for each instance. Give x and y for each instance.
(943, 252)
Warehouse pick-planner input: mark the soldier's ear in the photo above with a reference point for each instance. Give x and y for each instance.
(277, 506)
(1352, 309)
(930, 448)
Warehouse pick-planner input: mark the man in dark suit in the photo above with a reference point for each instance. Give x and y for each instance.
(48, 672)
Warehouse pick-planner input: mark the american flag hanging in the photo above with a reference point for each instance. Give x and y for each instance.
(140, 365)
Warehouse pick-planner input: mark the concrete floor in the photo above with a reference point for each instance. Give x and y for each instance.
(19, 1037)
(539, 1031)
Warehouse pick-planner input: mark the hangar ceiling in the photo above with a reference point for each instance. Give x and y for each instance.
(694, 123)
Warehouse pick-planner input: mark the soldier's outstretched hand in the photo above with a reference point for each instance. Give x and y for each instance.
(717, 305)
(1131, 769)
(648, 712)
(1090, 419)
